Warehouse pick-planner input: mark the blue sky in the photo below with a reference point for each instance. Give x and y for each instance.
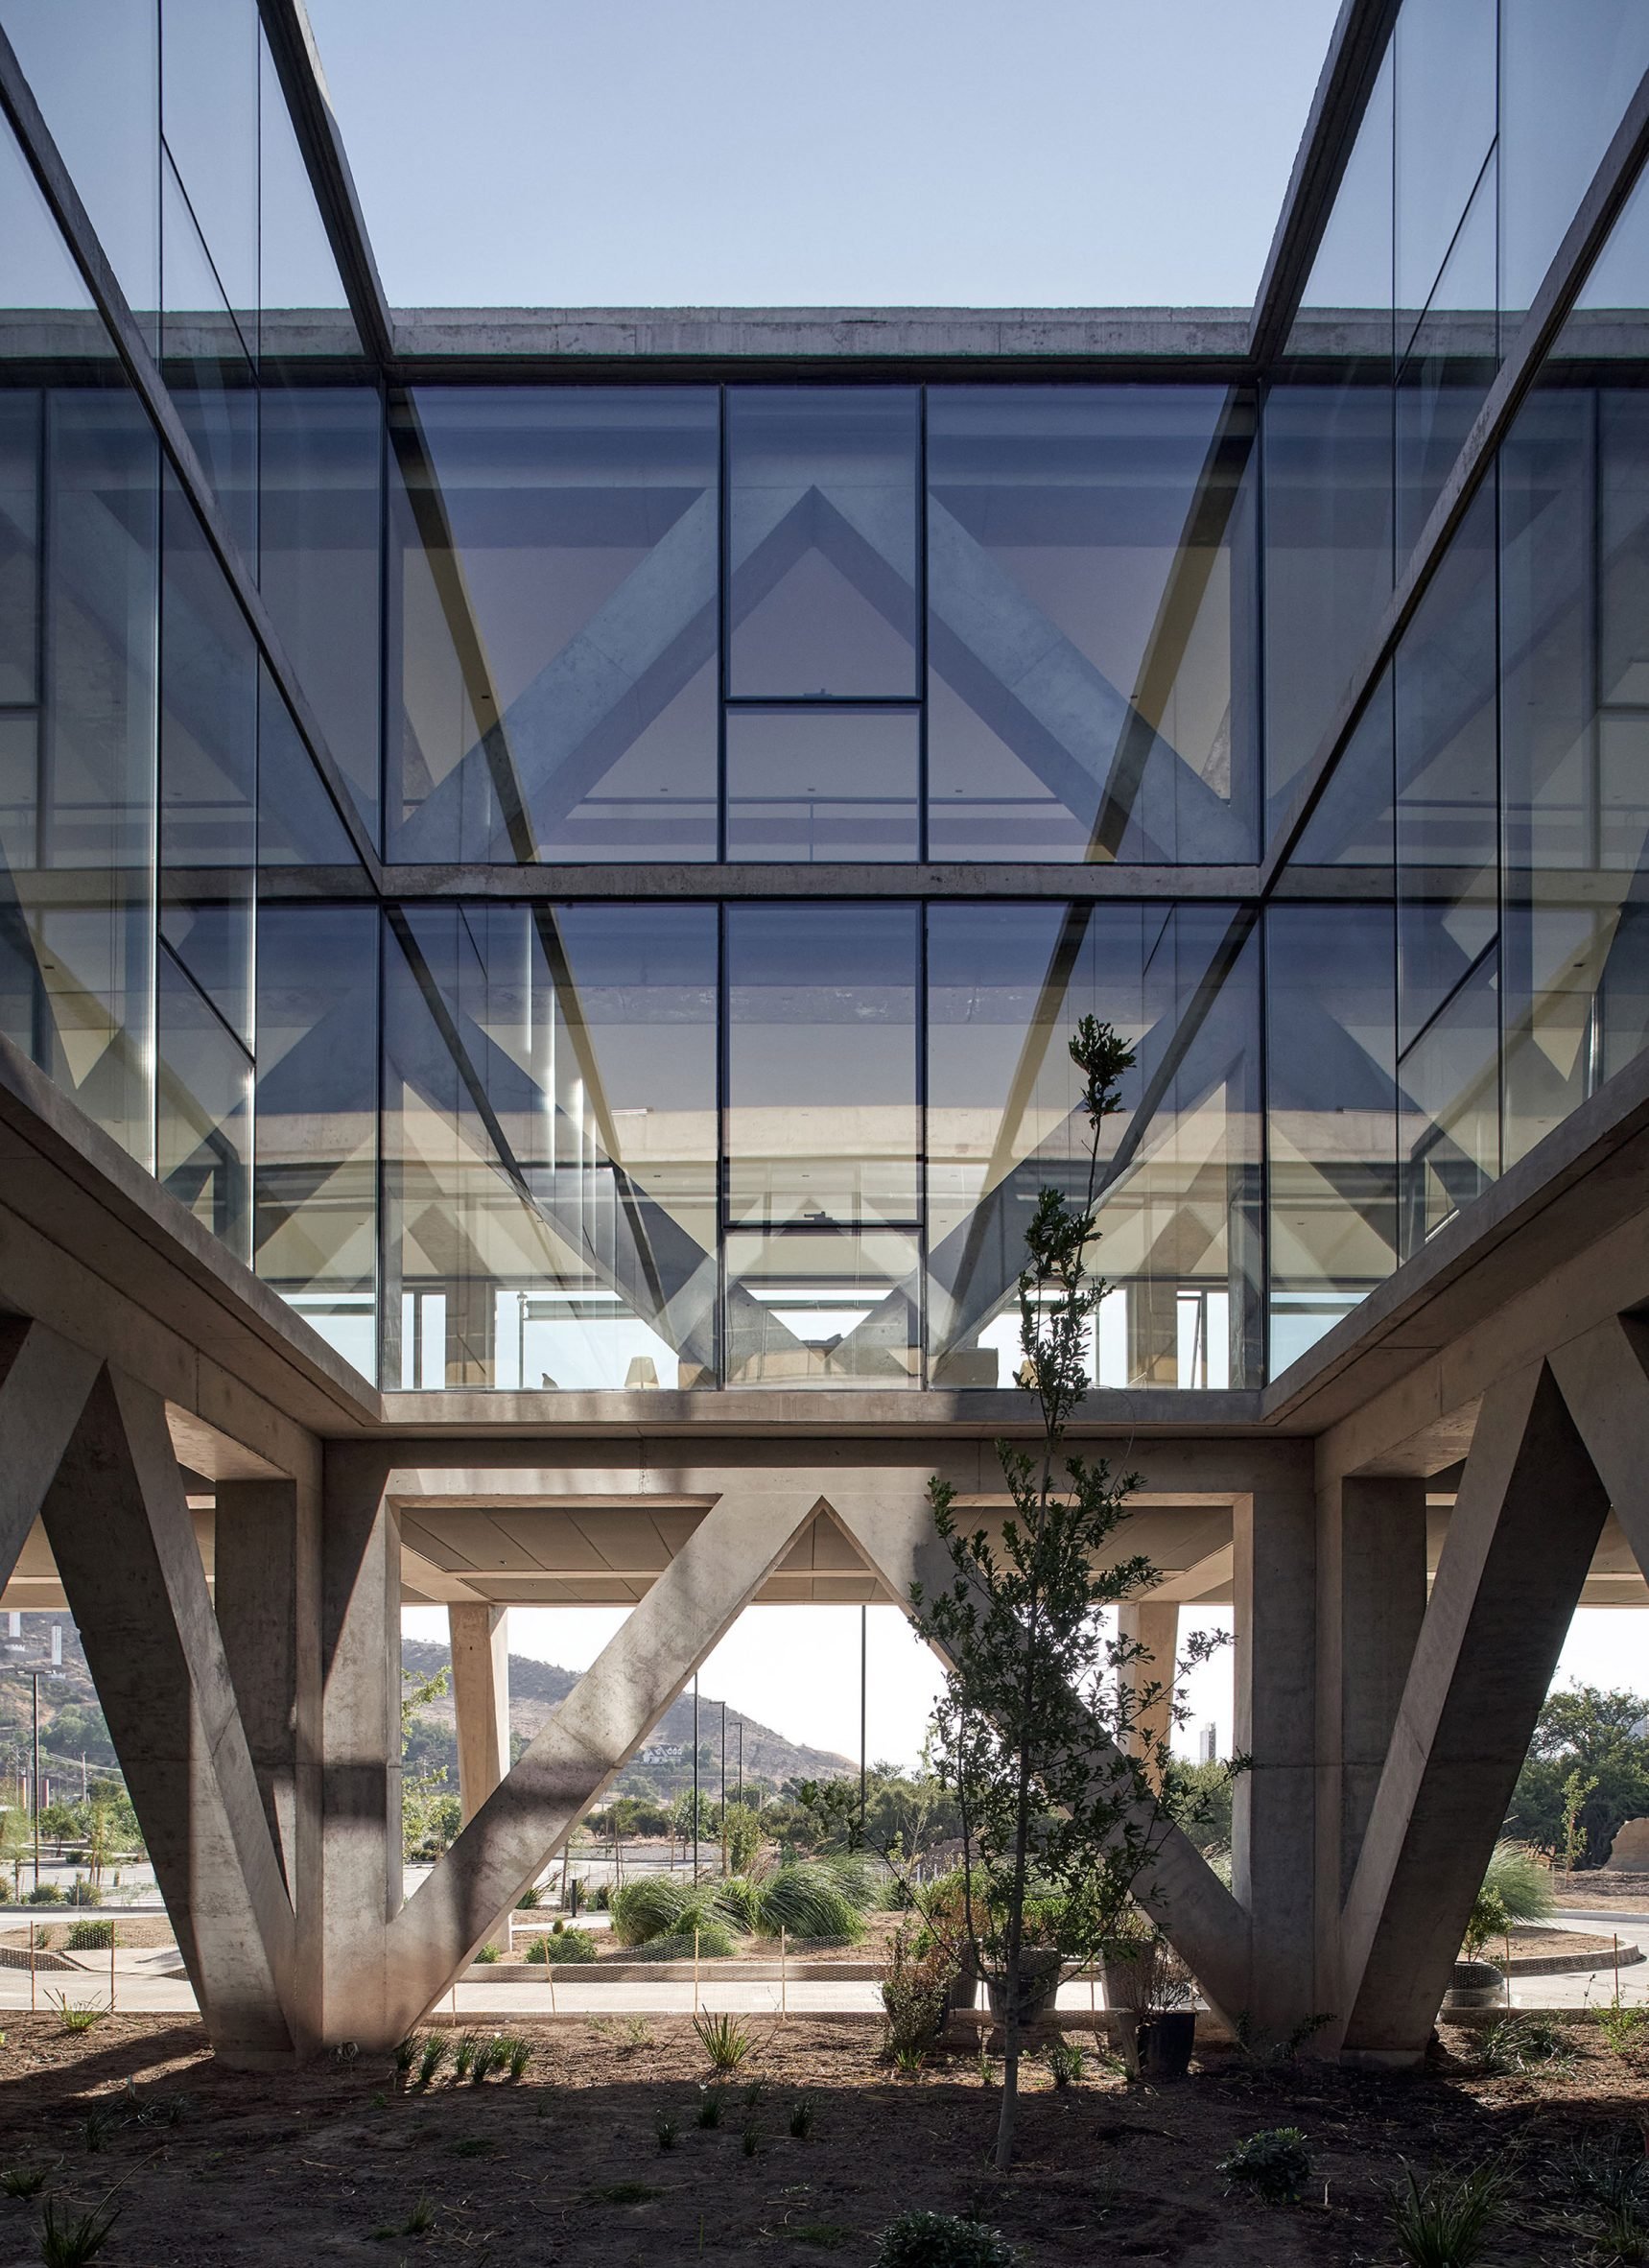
(964, 152)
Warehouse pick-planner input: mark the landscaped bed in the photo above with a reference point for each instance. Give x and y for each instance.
(566, 2165)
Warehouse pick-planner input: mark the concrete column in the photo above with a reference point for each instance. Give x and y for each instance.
(480, 1637)
(1154, 1624)
(360, 1742)
(1274, 1811)
(255, 1592)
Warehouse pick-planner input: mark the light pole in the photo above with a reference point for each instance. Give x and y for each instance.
(35, 1791)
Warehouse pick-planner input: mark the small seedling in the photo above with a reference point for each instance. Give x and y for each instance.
(753, 2094)
(987, 2077)
(406, 2056)
(909, 2059)
(801, 2119)
(21, 2181)
(627, 2193)
(1065, 2061)
(710, 2107)
(917, 2238)
(97, 2126)
(663, 2126)
(827, 2235)
(1444, 2223)
(421, 2219)
(77, 2015)
(1276, 2164)
(431, 2056)
(471, 2145)
(724, 2040)
(1622, 2026)
(70, 2244)
(751, 2142)
(464, 2054)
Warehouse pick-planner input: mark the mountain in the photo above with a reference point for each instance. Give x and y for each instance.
(535, 1687)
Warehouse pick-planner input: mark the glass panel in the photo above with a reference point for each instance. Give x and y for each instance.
(1447, 886)
(94, 68)
(297, 821)
(84, 868)
(319, 537)
(821, 784)
(208, 769)
(1345, 310)
(20, 434)
(1092, 627)
(1179, 1174)
(46, 307)
(209, 116)
(1444, 52)
(317, 1119)
(1327, 557)
(1451, 368)
(207, 369)
(1331, 1120)
(1354, 821)
(823, 1307)
(203, 1126)
(550, 1167)
(821, 1065)
(822, 515)
(1567, 75)
(303, 309)
(554, 624)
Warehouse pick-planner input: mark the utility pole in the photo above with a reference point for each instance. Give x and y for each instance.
(696, 1775)
(37, 1677)
(865, 1690)
(741, 1760)
(723, 1788)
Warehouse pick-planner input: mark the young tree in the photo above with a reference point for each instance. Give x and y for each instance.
(1037, 1730)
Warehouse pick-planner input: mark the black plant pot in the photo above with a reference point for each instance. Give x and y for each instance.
(1038, 1987)
(1162, 2044)
(1474, 1984)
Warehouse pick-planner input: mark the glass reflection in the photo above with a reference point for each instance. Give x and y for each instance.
(552, 623)
(821, 1065)
(207, 366)
(821, 784)
(823, 1307)
(1443, 54)
(1450, 367)
(1447, 886)
(1331, 1116)
(317, 1216)
(549, 1147)
(1179, 1168)
(1092, 628)
(821, 518)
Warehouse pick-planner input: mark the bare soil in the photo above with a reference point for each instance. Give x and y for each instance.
(1597, 1891)
(332, 2164)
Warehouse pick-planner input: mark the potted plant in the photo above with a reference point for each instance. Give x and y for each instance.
(1514, 1888)
(1152, 1989)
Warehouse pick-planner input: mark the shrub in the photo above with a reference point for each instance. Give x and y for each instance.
(1444, 2222)
(1275, 2164)
(938, 2240)
(464, 2051)
(1521, 1883)
(80, 1892)
(801, 2119)
(44, 1894)
(563, 1945)
(656, 1905)
(805, 1898)
(22, 2180)
(486, 1954)
(710, 2108)
(916, 1994)
(1065, 2061)
(528, 1899)
(77, 2015)
(724, 2040)
(431, 2055)
(714, 1944)
(1521, 2043)
(1621, 2027)
(90, 1937)
(490, 2055)
(741, 1901)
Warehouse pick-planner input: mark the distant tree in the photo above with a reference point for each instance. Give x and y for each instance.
(80, 1728)
(1203, 1802)
(431, 1813)
(16, 1845)
(1587, 1745)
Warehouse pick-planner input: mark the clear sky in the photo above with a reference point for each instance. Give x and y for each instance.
(748, 153)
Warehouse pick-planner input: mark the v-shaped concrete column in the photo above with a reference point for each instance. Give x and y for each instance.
(120, 1530)
(1605, 1379)
(42, 1392)
(1526, 1521)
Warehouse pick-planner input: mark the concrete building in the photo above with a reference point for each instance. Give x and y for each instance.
(547, 859)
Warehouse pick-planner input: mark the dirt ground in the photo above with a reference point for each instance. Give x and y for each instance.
(211, 2167)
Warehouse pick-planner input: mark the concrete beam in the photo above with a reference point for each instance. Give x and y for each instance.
(1604, 1377)
(1153, 1623)
(254, 1593)
(42, 1391)
(480, 1640)
(121, 1536)
(1526, 1521)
